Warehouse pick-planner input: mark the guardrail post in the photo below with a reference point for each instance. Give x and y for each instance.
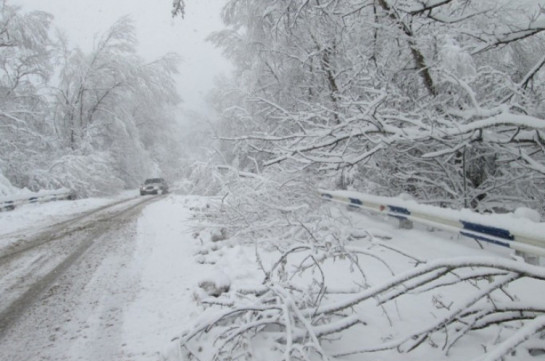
(405, 223)
(10, 204)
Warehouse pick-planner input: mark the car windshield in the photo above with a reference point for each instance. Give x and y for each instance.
(154, 180)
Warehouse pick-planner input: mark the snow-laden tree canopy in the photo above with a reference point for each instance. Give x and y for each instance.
(95, 121)
(440, 99)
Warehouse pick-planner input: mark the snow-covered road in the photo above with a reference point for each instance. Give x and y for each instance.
(164, 263)
(125, 297)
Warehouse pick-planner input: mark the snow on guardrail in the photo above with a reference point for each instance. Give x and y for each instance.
(10, 203)
(520, 234)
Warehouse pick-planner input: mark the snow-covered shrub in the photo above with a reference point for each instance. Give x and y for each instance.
(527, 213)
(218, 235)
(215, 285)
(265, 207)
(84, 174)
(204, 179)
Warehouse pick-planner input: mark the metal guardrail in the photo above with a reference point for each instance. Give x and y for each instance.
(8, 204)
(523, 239)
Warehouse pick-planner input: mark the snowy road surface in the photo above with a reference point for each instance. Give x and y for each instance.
(123, 295)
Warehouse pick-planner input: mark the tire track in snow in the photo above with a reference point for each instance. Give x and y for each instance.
(97, 227)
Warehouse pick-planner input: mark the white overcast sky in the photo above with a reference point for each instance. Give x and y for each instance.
(157, 33)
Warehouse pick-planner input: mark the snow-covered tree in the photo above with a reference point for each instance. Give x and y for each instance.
(424, 97)
(24, 69)
(110, 102)
(66, 113)
(92, 84)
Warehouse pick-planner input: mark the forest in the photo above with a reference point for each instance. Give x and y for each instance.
(95, 122)
(443, 100)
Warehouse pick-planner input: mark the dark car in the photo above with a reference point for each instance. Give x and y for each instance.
(154, 186)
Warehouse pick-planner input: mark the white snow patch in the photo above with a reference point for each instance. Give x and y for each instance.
(527, 213)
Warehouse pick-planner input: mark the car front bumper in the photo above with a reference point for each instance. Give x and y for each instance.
(152, 190)
(155, 191)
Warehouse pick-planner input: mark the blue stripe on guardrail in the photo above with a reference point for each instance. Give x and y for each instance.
(399, 212)
(486, 239)
(9, 205)
(327, 196)
(355, 202)
(489, 230)
(491, 234)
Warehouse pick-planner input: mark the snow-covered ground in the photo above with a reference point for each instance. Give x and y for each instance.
(128, 297)
(135, 292)
(167, 255)
(32, 215)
